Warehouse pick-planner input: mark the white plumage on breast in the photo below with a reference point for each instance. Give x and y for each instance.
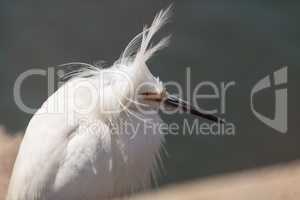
(72, 149)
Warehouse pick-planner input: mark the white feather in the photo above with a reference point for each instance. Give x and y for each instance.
(79, 155)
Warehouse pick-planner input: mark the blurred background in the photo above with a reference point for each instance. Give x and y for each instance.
(241, 41)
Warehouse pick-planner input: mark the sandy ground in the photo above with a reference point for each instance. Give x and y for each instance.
(8, 150)
(279, 182)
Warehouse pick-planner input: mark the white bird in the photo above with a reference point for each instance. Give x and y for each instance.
(83, 151)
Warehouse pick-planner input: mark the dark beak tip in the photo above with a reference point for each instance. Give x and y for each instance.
(176, 102)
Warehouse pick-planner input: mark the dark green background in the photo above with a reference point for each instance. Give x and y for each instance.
(240, 41)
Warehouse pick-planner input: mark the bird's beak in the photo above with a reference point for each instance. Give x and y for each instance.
(187, 107)
(176, 102)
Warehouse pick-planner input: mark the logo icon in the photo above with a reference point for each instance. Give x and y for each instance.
(279, 122)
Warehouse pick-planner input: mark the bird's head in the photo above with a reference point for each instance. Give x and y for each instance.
(129, 83)
(148, 89)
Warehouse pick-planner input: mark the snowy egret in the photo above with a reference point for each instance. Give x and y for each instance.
(77, 153)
